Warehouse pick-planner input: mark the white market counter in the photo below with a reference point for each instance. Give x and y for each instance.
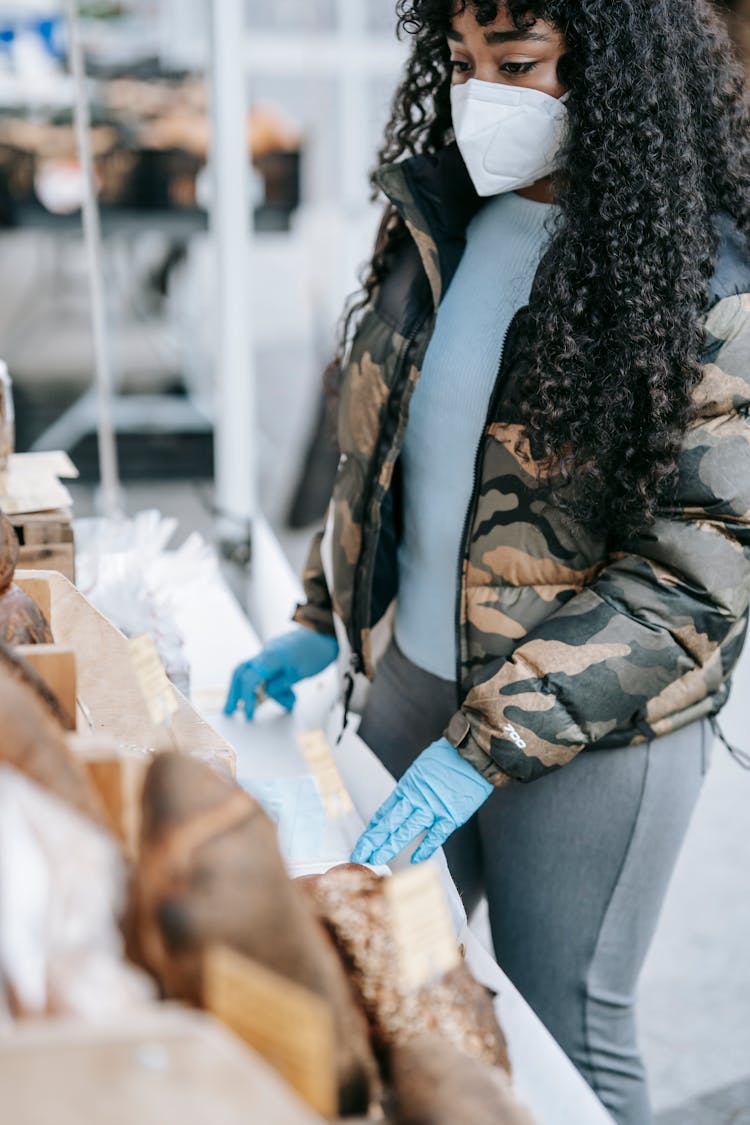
(270, 764)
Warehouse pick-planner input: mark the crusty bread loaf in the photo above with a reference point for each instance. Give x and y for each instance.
(436, 1084)
(15, 669)
(21, 620)
(210, 872)
(351, 901)
(32, 739)
(9, 550)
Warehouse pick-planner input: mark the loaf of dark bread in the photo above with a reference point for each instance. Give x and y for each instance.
(210, 872)
(351, 901)
(21, 620)
(17, 670)
(32, 739)
(433, 1083)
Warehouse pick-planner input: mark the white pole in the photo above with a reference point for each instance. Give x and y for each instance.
(235, 433)
(354, 154)
(111, 497)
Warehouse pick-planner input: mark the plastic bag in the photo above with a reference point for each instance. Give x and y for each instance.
(62, 886)
(124, 569)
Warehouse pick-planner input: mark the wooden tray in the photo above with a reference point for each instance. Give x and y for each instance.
(107, 691)
(163, 1066)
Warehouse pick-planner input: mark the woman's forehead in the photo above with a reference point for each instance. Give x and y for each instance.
(502, 27)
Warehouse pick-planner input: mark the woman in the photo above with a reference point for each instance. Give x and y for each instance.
(538, 546)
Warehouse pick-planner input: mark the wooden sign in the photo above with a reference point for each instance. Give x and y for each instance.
(152, 679)
(290, 1027)
(118, 772)
(422, 929)
(318, 755)
(57, 667)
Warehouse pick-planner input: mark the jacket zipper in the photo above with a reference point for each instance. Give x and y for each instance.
(357, 658)
(463, 545)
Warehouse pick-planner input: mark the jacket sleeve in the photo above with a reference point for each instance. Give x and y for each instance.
(636, 653)
(317, 611)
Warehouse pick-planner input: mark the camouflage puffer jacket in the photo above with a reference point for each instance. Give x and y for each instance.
(563, 645)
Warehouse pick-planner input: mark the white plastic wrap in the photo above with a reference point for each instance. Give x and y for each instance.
(62, 883)
(123, 568)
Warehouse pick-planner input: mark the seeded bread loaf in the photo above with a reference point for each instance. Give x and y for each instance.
(433, 1083)
(351, 901)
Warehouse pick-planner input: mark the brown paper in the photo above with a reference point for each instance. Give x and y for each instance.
(425, 941)
(152, 679)
(290, 1027)
(320, 761)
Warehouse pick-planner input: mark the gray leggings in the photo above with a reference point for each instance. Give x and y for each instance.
(575, 867)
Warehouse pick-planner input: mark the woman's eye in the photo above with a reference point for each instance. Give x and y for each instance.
(518, 67)
(460, 66)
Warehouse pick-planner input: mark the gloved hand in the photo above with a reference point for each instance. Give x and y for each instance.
(438, 792)
(284, 661)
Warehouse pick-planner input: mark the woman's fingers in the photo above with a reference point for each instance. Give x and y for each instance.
(279, 689)
(249, 678)
(388, 819)
(434, 839)
(253, 677)
(388, 804)
(403, 836)
(235, 691)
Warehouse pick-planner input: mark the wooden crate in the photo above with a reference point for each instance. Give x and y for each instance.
(163, 1065)
(46, 541)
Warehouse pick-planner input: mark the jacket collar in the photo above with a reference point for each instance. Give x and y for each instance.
(437, 200)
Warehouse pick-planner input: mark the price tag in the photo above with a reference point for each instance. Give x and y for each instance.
(152, 680)
(322, 765)
(425, 942)
(290, 1027)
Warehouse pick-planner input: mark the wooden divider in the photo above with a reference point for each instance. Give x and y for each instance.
(107, 688)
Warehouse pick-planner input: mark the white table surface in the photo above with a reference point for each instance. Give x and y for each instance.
(270, 764)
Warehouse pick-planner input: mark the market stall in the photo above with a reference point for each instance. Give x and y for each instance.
(319, 799)
(271, 764)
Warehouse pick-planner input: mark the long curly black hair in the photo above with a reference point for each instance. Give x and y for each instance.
(659, 143)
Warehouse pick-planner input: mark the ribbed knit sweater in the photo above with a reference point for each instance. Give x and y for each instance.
(505, 242)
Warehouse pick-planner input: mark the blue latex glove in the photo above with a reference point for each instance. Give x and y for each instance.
(284, 661)
(437, 794)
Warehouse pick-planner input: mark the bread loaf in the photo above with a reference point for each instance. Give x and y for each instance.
(351, 901)
(8, 553)
(21, 620)
(15, 669)
(32, 740)
(210, 872)
(436, 1084)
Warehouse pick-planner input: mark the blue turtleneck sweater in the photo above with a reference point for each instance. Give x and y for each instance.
(505, 242)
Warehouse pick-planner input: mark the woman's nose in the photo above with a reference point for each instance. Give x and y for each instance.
(487, 72)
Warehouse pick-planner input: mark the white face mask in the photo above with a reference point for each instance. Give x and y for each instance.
(509, 136)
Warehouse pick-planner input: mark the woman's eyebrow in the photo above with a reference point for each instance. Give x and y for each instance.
(515, 36)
